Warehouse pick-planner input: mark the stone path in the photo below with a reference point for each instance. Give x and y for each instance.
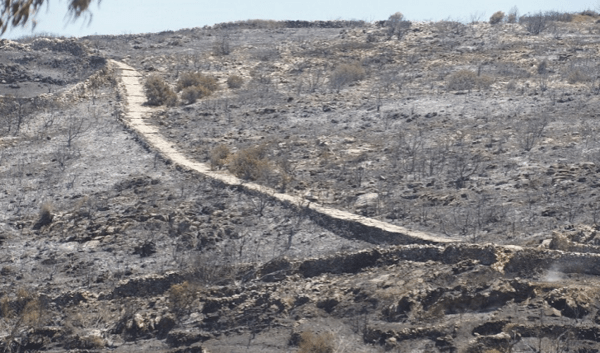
(360, 227)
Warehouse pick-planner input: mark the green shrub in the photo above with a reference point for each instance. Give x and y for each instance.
(467, 80)
(497, 17)
(189, 79)
(158, 92)
(345, 74)
(218, 156)
(191, 94)
(235, 81)
(311, 343)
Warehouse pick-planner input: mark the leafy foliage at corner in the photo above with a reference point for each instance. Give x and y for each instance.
(14, 13)
(158, 92)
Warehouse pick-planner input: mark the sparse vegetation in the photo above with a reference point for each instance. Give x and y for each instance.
(142, 252)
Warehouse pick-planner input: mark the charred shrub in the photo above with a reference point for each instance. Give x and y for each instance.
(158, 92)
(234, 81)
(538, 22)
(580, 73)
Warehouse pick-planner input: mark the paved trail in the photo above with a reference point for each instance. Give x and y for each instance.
(362, 227)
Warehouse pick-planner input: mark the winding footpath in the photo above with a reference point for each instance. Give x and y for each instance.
(353, 225)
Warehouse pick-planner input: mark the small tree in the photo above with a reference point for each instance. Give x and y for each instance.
(497, 17)
(158, 92)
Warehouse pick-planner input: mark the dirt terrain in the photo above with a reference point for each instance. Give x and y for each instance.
(475, 143)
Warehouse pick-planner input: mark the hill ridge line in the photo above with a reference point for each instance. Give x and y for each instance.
(361, 227)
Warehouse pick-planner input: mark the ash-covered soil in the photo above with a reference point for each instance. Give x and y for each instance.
(106, 246)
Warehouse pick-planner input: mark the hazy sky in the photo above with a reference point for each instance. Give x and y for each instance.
(143, 16)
